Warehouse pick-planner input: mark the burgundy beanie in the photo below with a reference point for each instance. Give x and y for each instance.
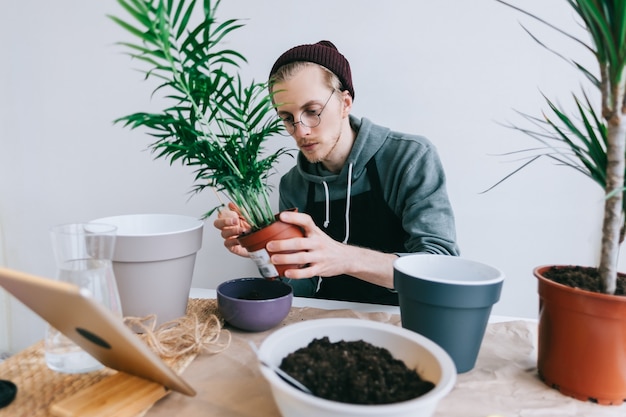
(323, 53)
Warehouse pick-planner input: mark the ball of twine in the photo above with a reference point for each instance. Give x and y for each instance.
(185, 335)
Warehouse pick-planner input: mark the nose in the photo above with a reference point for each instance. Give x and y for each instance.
(299, 125)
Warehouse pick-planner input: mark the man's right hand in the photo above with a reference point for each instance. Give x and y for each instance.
(231, 225)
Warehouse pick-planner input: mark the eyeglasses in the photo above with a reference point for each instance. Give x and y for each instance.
(308, 118)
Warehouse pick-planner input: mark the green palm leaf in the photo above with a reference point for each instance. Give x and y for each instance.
(218, 124)
(590, 141)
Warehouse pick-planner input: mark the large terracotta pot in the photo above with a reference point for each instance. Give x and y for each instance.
(582, 342)
(255, 243)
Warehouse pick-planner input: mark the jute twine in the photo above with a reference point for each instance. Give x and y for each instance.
(183, 336)
(177, 342)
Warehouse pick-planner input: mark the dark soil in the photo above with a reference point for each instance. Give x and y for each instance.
(354, 372)
(585, 278)
(253, 295)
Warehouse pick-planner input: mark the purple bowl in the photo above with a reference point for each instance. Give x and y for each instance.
(254, 304)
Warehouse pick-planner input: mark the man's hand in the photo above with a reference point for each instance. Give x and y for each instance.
(231, 225)
(325, 257)
(317, 250)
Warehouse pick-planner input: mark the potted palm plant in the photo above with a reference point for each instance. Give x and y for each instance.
(582, 321)
(215, 123)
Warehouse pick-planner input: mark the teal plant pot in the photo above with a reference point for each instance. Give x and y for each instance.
(447, 299)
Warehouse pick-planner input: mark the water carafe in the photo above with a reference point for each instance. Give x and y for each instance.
(83, 253)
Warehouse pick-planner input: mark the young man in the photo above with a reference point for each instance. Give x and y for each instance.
(365, 194)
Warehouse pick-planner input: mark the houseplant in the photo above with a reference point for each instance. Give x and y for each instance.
(215, 123)
(582, 322)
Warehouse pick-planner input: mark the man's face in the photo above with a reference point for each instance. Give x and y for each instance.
(306, 94)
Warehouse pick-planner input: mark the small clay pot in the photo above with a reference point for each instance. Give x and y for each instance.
(256, 242)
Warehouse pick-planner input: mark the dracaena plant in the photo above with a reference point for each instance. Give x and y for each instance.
(591, 139)
(215, 122)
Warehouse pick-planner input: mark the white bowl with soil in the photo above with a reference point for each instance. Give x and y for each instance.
(418, 354)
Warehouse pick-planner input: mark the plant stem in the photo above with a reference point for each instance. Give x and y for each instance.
(613, 210)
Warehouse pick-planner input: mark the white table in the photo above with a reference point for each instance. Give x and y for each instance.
(338, 305)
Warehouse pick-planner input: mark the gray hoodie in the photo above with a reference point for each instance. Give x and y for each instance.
(411, 177)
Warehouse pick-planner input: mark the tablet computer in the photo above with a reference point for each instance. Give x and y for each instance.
(92, 326)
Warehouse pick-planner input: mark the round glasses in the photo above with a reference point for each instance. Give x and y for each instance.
(308, 118)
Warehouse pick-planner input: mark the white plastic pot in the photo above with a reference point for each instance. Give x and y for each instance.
(153, 262)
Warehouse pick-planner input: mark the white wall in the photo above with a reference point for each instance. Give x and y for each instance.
(450, 70)
(4, 309)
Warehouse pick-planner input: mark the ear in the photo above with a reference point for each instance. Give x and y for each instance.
(346, 101)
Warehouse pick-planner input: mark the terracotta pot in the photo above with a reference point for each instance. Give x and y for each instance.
(582, 342)
(256, 242)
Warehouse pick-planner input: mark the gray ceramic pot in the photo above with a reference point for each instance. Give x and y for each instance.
(448, 299)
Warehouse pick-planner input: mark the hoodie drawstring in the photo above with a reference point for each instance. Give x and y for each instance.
(327, 205)
(348, 192)
(327, 221)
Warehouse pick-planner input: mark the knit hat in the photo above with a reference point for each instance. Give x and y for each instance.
(323, 53)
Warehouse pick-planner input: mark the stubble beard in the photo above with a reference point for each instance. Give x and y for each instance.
(325, 157)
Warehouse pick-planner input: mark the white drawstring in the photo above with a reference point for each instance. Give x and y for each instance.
(327, 221)
(349, 189)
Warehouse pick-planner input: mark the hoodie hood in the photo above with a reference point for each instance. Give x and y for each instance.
(368, 141)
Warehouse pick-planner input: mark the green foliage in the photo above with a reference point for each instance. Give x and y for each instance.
(216, 123)
(578, 141)
(590, 141)
(584, 133)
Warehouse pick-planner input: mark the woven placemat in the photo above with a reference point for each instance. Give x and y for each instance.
(38, 386)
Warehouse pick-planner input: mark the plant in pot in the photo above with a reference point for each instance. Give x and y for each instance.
(582, 321)
(215, 123)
